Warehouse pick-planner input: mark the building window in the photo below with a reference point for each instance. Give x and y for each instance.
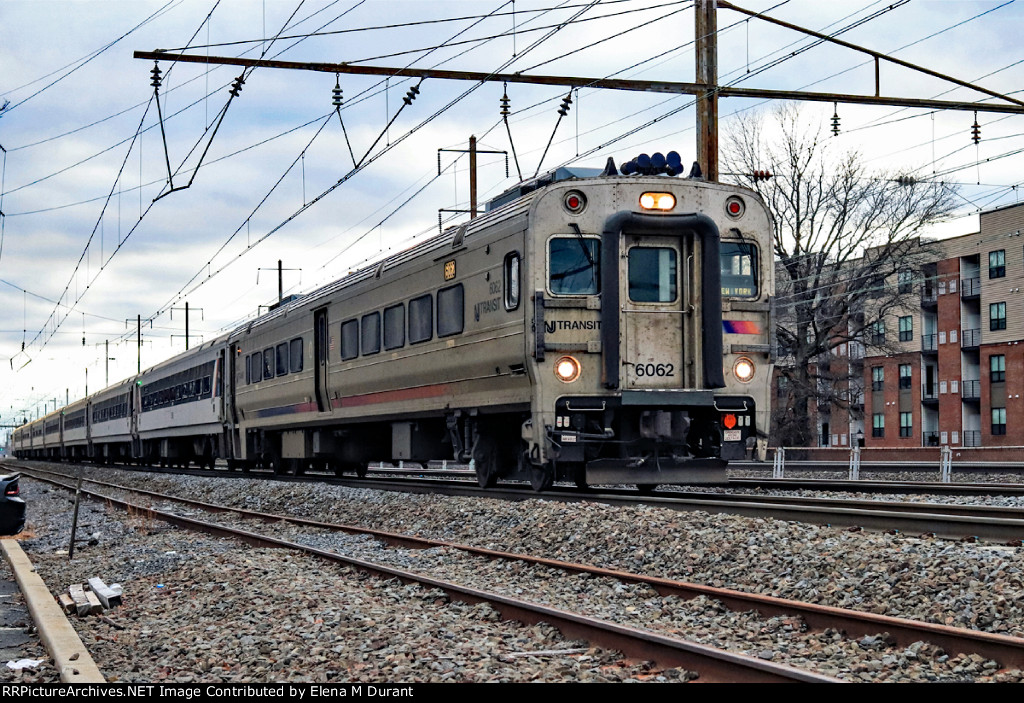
(997, 316)
(905, 376)
(998, 420)
(997, 368)
(906, 424)
(997, 264)
(877, 331)
(906, 328)
(906, 281)
(878, 425)
(877, 378)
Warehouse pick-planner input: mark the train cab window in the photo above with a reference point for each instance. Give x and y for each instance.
(511, 273)
(268, 363)
(257, 367)
(652, 274)
(421, 319)
(282, 359)
(394, 327)
(739, 270)
(450, 311)
(574, 265)
(349, 340)
(296, 355)
(371, 333)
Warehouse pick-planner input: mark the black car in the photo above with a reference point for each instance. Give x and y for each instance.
(12, 507)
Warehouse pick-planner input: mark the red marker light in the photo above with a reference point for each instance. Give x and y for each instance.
(729, 421)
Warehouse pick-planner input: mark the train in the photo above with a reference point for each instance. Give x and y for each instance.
(590, 326)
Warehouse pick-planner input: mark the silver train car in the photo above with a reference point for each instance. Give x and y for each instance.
(589, 327)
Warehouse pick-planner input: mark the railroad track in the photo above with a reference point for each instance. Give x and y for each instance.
(1003, 525)
(713, 665)
(1009, 651)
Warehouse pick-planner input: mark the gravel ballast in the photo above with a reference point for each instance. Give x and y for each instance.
(964, 585)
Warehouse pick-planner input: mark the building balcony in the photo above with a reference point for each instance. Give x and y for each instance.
(970, 390)
(930, 395)
(970, 339)
(930, 439)
(929, 342)
(929, 298)
(971, 438)
(970, 287)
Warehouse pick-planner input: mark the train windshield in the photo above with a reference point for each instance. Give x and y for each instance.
(739, 270)
(574, 265)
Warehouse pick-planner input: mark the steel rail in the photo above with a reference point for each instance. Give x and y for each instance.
(1007, 650)
(712, 665)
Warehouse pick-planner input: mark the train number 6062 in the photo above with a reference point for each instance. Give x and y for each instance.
(655, 370)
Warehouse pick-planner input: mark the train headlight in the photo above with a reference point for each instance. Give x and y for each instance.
(657, 201)
(743, 369)
(567, 369)
(575, 202)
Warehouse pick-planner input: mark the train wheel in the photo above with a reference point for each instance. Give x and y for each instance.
(361, 468)
(542, 476)
(485, 460)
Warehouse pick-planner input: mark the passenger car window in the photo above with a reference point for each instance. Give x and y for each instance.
(282, 358)
(652, 274)
(450, 311)
(421, 319)
(296, 355)
(574, 266)
(394, 327)
(349, 340)
(268, 363)
(371, 333)
(511, 272)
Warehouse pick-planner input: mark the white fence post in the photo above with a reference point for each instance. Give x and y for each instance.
(779, 467)
(855, 463)
(946, 464)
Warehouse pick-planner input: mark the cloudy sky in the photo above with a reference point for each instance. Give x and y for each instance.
(88, 243)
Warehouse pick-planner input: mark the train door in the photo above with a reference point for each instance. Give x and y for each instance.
(321, 356)
(654, 314)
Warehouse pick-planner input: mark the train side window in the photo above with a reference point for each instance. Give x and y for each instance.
(257, 367)
(652, 274)
(282, 358)
(574, 265)
(394, 326)
(349, 339)
(511, 272)
(421, 319)
(450, 310)
(296, 355)
(268, 363)
(371, 333)
(739, 270)
(248, 369)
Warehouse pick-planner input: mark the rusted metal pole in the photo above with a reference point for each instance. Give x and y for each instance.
(706, 27)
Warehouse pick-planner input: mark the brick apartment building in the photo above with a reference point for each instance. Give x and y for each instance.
(952, 373)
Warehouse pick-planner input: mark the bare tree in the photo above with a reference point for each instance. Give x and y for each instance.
(845, 238)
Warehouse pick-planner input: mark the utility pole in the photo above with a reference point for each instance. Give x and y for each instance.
(138, 337)
(280, 279)
(472, 151)
(706, 27)
(187, 336)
